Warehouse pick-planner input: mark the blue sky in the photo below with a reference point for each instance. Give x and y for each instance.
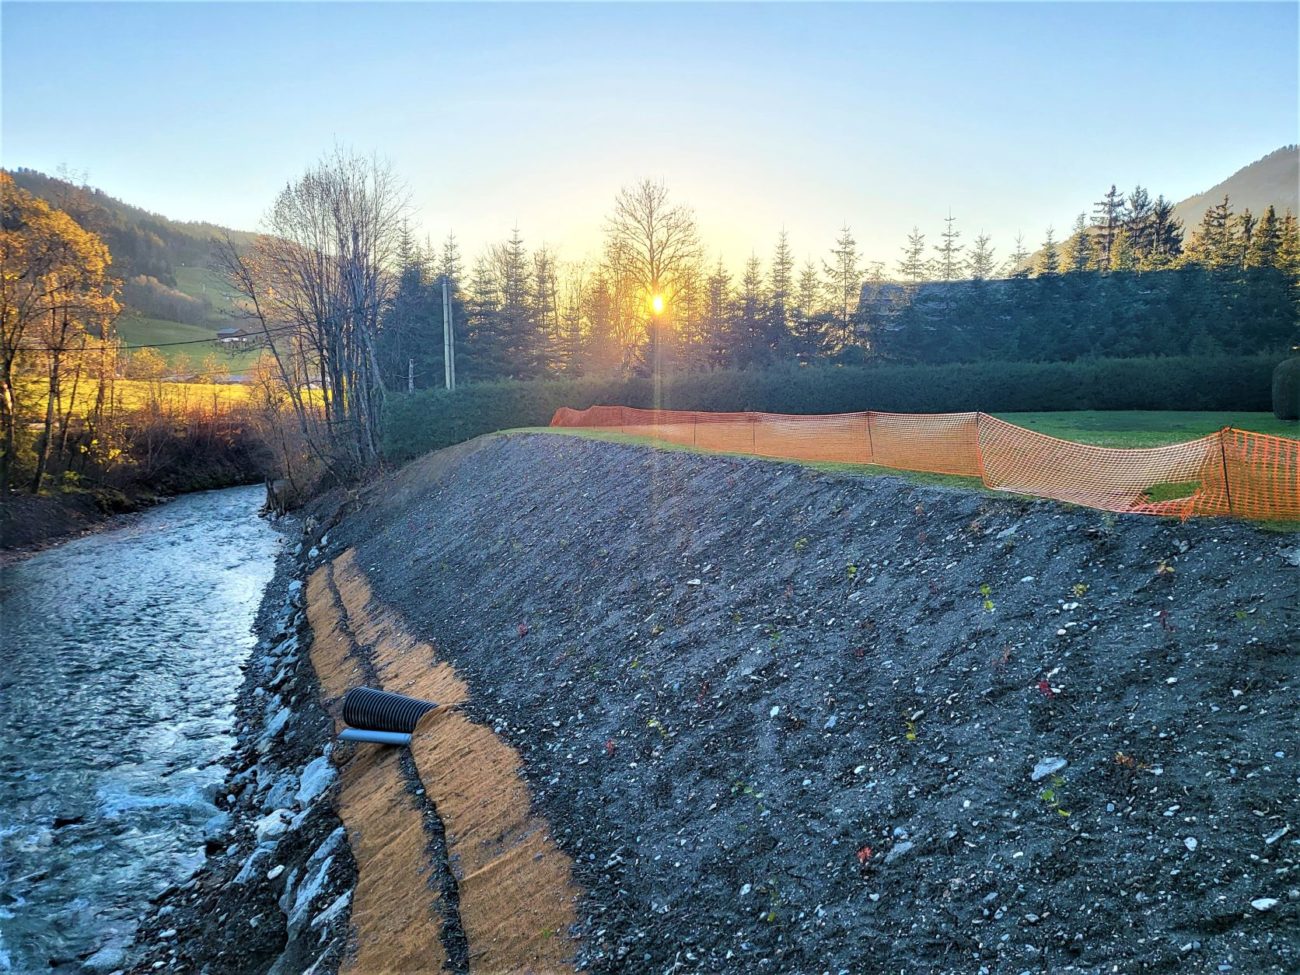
(803, 116)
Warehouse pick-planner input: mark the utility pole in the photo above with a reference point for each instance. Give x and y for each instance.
(410, 375)
(448, 339)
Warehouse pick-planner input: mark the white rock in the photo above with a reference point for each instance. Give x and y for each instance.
(316, 778)
(275, 871)
(1264, 903)
(1190, 843)
(272, 825)
(1046, 767)
(333, 911)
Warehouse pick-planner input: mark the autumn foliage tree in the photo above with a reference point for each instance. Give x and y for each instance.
(55, 298)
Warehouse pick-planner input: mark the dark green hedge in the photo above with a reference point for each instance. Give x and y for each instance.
(422, 421)
(1286, 390)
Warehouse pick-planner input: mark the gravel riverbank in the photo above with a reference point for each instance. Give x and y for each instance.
(275, 890)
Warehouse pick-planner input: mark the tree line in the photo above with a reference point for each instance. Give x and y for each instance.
(1127, 281)
(347, 307)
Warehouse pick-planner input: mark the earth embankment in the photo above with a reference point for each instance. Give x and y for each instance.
(775, 719)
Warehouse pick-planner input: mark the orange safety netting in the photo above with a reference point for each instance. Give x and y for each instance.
(1235, 472)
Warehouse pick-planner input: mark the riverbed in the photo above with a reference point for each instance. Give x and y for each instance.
(120, 660)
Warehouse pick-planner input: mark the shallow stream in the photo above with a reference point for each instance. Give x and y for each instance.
(120, 661)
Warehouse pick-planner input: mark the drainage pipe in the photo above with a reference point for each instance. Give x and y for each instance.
(375, 737)
(375, 710)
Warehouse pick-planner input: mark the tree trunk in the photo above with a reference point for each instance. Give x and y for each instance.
(42, 455)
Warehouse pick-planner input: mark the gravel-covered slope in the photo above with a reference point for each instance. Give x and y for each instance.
(790, 721)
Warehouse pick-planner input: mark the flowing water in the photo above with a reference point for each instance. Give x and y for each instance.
(120, 661)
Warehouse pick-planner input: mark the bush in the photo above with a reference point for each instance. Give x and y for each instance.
(1286, 390)
(427, 420)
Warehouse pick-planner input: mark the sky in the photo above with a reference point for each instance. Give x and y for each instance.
(761, 117)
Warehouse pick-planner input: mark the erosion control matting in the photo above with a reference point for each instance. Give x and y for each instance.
(784, 720)
(454, 870)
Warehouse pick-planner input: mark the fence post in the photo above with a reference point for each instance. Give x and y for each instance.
(979, 447)
(871, 445)
(1223, 459)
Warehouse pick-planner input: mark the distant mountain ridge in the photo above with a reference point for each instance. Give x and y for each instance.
(1274, 179)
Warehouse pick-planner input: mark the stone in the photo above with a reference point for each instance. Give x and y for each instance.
(318, 776)
(271, 826)
(899, 850)
(1046, 767)
(1264, 903)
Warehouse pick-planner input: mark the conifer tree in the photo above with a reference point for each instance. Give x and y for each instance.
(520, 346)
(782, 284)
(1288, 251)
(450, 265)
(749, 346)
(1137, 225)
(1049, 261)
(981, 264)
(1212, 245)
(716, 323)
(912, 267)
(1265, 242)
(844, 285)
(545, 310)
(1243, 237)
(1076, 253)
(1165, 238)
(810, 322)
(948, 260)
(1017, 265)
(484, 354)
(1108, 218)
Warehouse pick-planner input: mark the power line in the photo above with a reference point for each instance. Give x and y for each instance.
(163, 345)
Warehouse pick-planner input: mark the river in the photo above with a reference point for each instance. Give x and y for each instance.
(120, 660)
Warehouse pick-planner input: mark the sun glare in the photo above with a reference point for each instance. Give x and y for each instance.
(657, 304)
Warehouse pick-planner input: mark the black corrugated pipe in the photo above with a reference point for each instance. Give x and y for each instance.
(372, 710)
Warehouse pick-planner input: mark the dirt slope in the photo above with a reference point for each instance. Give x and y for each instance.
(787, 721)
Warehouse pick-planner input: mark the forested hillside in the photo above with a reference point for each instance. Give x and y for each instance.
(170, 292)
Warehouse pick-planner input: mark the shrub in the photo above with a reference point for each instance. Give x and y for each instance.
(1286, 390)
(430, 419)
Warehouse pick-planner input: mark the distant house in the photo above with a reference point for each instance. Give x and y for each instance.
(235, 339)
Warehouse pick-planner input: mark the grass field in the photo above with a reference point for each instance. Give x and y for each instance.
(1146, 428)
(132, 394)
(138, 330)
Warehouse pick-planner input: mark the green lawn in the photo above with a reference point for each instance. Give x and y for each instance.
(1146, 428)
(138, 330)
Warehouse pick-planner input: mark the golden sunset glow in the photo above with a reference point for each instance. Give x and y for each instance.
(657, 304)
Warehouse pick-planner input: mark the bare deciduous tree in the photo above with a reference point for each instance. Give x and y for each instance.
(651, 245)
(316, 283)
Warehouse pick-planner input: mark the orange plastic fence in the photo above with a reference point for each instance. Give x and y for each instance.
(1236, 472)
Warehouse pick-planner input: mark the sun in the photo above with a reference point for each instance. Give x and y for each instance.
(657, 304)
